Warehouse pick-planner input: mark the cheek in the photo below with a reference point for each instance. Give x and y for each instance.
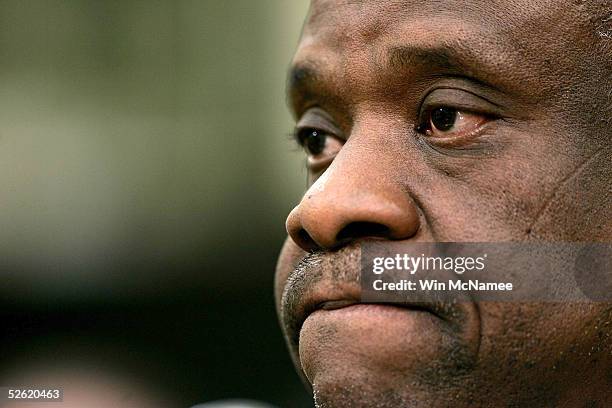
(580, 208)
(496, 190)
(539, 344)
(288, 258)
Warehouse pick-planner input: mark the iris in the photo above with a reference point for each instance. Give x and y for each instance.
(443, 118)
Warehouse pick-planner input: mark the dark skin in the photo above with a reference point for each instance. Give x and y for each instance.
(456, 121)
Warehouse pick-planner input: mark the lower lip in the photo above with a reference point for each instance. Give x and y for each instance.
(369, 309)
(366, 323)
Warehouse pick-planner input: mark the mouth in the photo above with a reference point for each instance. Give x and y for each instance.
(330, 305)
(336, 304)
(433, 309)
(324, 282)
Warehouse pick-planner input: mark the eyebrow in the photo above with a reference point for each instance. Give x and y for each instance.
(300, 76)
(306, 81)
(451, 60)
(411, 57)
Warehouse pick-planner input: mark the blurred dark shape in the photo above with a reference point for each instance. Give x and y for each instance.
(234, 404)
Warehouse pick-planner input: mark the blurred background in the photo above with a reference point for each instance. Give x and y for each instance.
(145, 175)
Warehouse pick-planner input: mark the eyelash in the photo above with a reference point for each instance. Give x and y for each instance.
(297, 134)
(293, 138)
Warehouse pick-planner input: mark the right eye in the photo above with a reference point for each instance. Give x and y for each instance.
(313, 140)
(320, 146)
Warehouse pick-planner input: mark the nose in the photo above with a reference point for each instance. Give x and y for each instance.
(349, 202)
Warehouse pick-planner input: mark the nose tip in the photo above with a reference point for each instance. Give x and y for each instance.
(297, 232)
(334, 218)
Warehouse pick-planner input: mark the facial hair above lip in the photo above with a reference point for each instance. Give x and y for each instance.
(331, 280)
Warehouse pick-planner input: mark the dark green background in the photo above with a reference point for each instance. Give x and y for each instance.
(145, 174)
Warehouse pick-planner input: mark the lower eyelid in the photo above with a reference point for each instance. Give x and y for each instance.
(324, 159)
(478, 118)
(317, 166)
(462, 139)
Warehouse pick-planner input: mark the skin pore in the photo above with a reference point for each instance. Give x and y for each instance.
(477, 121)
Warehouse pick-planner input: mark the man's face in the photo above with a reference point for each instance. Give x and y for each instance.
(454, 121)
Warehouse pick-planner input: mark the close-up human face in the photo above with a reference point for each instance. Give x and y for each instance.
(427, 121)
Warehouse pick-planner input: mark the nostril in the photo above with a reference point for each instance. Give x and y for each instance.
(306, 241)
(361, 230)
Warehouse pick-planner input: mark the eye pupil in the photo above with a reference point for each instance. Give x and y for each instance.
(443, 118)
(315, 142)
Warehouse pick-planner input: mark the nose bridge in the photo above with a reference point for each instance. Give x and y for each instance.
(354, 175)
(355, 197)
(362, 166)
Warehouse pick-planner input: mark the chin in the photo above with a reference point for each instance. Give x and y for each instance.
(371, 356)
(342, 387)
(358, 393)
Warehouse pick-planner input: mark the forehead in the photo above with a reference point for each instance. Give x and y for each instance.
(510, 43)
(379, 15)
(352, 24)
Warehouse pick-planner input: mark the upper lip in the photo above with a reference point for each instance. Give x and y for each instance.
(315, 284)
